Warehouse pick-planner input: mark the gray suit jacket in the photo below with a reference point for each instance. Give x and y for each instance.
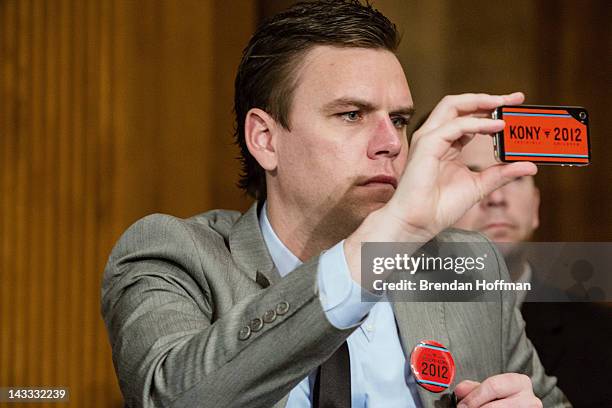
(179, 297)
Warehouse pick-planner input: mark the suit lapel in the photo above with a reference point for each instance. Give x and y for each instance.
(249, 250)
(418, 321)
(250, 254)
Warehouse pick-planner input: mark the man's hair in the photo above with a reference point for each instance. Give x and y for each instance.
(266, 77)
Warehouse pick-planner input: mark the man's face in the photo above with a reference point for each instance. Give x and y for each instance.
(509, 214)
(347, 146)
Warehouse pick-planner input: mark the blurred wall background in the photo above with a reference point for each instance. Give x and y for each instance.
(112, 109)
(109, 110)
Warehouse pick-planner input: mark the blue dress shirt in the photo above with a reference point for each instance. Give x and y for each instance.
(380, 376)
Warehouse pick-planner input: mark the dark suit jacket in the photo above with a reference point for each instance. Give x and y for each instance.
(180, 296)
(574, 342)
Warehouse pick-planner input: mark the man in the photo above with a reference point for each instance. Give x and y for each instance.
(230, 310)
(564, 334)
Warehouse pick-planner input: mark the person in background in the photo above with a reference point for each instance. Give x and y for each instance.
(564, 334)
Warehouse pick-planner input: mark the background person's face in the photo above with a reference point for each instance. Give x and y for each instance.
(347, 123)
(509, 214)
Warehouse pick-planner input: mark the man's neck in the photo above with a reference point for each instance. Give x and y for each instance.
(306, 232)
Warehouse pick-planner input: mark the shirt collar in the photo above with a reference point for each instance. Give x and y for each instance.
(284, 260)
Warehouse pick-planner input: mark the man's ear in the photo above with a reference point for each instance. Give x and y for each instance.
(260, 138)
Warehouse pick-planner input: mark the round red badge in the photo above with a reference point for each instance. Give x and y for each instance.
(432, 365)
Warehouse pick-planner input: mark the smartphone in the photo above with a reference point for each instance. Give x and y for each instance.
(543, 135)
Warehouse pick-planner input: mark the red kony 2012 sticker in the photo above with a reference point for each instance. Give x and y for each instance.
(432, 365)
(544, 135)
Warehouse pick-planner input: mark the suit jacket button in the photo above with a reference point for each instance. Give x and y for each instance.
(244, 333)
(282, 308)
(256, 324)
(269, 316)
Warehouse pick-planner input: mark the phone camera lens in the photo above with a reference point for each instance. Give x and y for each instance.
(582, 115)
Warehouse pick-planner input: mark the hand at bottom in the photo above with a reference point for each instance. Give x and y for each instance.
(498, 391)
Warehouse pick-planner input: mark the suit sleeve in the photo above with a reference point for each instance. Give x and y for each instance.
(518, 354)
(169, 346)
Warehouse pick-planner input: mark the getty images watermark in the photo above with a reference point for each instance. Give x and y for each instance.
(425, 263)
(481, 271)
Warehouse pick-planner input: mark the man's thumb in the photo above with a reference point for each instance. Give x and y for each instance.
(496, 176)
(464, 388)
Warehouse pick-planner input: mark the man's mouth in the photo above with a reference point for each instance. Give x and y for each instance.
(499, 225)
(381, 179)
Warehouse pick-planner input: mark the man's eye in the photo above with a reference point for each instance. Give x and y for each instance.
(352, 116)
(399, 122)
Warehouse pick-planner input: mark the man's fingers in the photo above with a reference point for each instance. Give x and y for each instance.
(465, 387)
(456, 105)
(496, 387)
(497, 176)
(454, 130)
(452, 105)
(515, 98)
(517, 401)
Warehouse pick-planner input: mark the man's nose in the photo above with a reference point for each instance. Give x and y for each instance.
(386, 141)
(496, 199)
